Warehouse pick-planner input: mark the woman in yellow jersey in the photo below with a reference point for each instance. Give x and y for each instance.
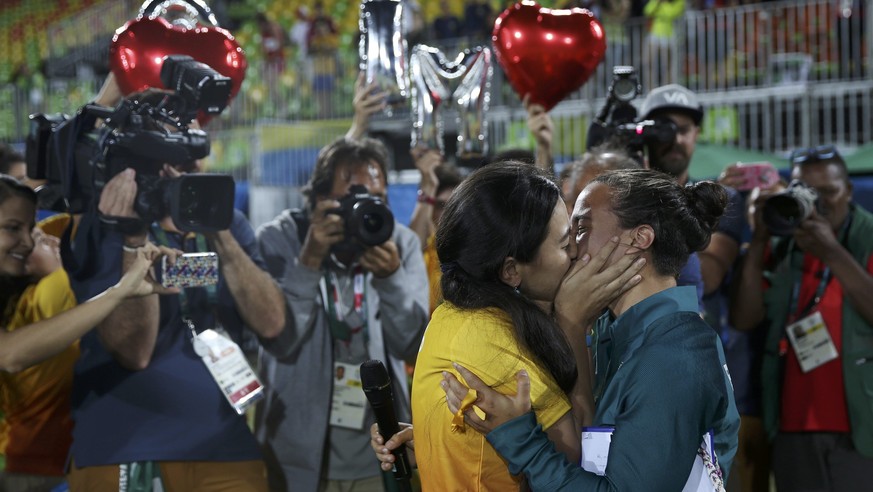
(514, 298)
(38, 331)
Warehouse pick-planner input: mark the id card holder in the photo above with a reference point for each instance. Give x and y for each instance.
(349, 403)
(229, 368)
(595, 448)
(811, 341)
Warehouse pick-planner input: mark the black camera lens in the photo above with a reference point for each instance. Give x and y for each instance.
(625, 89)
(373, 222)
(784, 211)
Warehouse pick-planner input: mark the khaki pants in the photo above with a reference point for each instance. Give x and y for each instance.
(180, 476)
(751, 468)
(374, 484)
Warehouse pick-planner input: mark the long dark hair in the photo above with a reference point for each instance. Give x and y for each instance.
(683, 218)
(501, 210)
(12, 287)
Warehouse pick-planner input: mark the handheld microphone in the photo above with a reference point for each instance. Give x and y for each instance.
(377, 387)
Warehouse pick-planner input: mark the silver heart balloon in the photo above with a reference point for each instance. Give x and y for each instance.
(382, 49)
(463, 84)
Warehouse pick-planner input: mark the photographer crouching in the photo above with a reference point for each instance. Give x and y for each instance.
(807, 278)
(356, 288)
(161, 386)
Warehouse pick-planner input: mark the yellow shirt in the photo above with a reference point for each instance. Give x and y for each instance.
(35, 434)
(482, 341)
(434, 274)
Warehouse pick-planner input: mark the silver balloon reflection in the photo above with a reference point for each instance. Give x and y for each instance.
(463, 84)
(382, 49)
(186, 14)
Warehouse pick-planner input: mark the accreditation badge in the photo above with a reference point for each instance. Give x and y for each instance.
(349, 401)
(229, 368)
(811, 341)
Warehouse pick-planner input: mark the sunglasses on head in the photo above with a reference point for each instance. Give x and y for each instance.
(819, 153)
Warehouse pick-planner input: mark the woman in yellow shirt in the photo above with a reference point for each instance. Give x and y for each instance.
(514, 298)
(38, 334)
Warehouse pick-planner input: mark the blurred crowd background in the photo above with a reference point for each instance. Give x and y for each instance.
(772, 76)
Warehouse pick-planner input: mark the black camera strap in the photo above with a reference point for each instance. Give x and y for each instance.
(826, 276)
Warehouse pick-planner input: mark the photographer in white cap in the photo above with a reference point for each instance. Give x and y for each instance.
(676, 104)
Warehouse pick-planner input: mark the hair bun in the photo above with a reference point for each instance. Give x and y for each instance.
(706, 201)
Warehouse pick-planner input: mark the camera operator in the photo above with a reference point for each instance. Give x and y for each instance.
(811, 289)
(351, 298)
(145, 406)
(676, 105)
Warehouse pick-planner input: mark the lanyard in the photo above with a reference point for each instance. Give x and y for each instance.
(211, 290)
(338, 315)
(826, 276)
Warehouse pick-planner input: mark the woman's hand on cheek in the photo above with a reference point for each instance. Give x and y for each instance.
(593, 282)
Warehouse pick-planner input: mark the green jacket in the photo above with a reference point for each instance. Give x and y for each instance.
(857, 350)
(661, 383)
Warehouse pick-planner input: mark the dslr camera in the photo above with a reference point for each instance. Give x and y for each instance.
(617, 120)
(368, 221)
(143, 134)
(784, 211)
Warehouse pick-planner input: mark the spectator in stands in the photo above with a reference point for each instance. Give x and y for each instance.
(413, 23)
(438, 180)
(676, 105)
(273, 50)
(446, 25)
(144, 405)
(478, 21)
(345, 306)
(38, 341)
(322, 49)
(614, 16)
(12, 163)
(272, 43)
(660, 53)
(298, 36)
(816, 406)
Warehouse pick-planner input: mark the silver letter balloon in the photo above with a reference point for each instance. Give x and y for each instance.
(463, 84)
(382, 49)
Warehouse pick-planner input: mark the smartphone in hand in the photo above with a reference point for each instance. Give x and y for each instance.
(757, 175)
(191, 270)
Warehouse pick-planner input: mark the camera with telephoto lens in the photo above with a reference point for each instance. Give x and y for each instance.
(617, 123)
(198, 85)
(784, 211)
(143, 134)
(368, 221)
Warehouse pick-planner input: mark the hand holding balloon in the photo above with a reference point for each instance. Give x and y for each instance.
(368, 101)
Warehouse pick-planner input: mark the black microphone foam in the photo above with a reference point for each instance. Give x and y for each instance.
(377, 386)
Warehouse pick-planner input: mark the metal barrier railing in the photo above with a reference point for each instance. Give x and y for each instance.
(747, 50)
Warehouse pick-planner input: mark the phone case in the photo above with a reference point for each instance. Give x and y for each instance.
(191, 270)
(758, 174)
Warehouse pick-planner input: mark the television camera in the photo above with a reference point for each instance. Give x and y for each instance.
(617, 120)
(143, 132)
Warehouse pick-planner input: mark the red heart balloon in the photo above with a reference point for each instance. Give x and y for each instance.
(138, 49)
(547, 53)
